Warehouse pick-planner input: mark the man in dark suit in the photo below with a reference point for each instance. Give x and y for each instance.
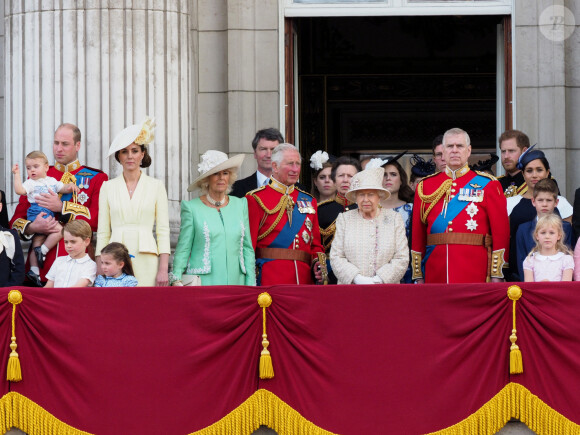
(264, 143)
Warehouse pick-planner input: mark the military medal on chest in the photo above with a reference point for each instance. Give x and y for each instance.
(305, 207)
(82, 197)
(471, 210)
(471, 195)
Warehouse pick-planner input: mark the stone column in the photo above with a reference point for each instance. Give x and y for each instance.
(547, 84)
(102, 65)
(238, 91)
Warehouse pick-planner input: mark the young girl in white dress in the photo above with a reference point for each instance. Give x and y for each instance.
(551, 259)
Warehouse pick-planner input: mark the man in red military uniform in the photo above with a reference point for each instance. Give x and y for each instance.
(67, 168)
(284, 225)
(460, 225)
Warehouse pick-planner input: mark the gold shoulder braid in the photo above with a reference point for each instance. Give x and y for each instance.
(328, 235)
(286, 203)
(433, 198)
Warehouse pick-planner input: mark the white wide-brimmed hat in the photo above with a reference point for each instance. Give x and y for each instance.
(212, 162)
(141, 134)
(369, 179)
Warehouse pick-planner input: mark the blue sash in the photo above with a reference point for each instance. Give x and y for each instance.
(85, 175)
(454, 207)
(286, 236)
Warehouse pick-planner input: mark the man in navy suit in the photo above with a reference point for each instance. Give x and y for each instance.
(264, 143)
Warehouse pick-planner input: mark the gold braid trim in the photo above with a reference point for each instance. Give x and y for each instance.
(513, 401)
(263, 408)
(18, 411)
(286, 203)
(433, 198)
(327, 235)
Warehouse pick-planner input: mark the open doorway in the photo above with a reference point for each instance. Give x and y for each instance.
(385, 84)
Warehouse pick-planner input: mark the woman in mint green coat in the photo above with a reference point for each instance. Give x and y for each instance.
(214, 239)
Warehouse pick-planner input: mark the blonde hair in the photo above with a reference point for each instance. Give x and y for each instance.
(37, 155)
(204, 183)
(78, 228)
(551, 220)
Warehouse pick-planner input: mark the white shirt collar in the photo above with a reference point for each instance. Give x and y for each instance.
(549, 257)
(261, 178)
(79, 260)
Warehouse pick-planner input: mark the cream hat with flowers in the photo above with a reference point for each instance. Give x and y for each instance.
(369, 179)
(212, 162)
(141, 134)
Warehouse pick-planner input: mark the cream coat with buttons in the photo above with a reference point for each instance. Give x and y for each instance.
(369, 247)
(130, 220)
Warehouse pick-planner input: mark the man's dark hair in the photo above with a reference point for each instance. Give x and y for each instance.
(268, 134)
(344, 160)
(436, 142)
(522, 139)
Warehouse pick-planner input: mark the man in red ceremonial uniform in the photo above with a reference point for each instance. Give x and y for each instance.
(67, 168)
(284, 225)
(460, 224)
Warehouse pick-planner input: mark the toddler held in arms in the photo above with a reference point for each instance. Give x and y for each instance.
(116, 267)
(76, 269)
(37, 183)
(550, 260)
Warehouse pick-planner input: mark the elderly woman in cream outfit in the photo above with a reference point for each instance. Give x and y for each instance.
(370, 245)
(131, 204)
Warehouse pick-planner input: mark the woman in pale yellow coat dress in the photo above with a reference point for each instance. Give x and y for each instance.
(131, 204)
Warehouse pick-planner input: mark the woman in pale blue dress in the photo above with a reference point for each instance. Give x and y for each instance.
(214, 239)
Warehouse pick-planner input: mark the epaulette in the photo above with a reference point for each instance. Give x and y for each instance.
(327, 201)
(431, 175)
(485, 174)
(303, 191)
(501, 176)
(251, 192)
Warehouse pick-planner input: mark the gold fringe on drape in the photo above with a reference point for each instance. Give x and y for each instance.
(263, 408)
(513, 401)
(22, 413)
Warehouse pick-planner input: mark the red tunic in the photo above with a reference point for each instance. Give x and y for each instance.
(88, 205)
(304, 237)
(460, 263)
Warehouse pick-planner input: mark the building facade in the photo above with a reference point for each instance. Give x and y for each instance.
(212, 72)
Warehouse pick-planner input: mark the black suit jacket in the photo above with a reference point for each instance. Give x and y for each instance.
(576, 217)
(12, 272)
(4, 212)
(243, 186)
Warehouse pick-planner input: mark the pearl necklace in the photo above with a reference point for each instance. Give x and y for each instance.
(214, 202)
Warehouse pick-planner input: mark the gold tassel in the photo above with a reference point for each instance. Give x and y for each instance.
(516, 363)
(266, 367)
(13, 371)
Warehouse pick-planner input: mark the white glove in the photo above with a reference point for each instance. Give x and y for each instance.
(377, 280)
(359, 279)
